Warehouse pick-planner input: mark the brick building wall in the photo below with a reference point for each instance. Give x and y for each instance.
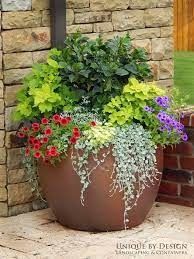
(25, 40)
(178, 177)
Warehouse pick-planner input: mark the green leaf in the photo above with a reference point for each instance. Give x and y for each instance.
(45, 107)
(84, 73)
(131, 68)
(122, 72)
(52, 63)
(72, 78)
(24, 108)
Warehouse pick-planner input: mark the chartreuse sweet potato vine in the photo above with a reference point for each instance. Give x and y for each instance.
(43, 92)
(128, 106)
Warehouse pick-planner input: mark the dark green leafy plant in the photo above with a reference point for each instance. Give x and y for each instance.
(100, 69)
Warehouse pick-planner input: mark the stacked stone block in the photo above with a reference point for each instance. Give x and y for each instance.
(25, 40)
(25, 36)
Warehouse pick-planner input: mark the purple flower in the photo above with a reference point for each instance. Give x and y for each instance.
(184, 137)
(165, 128)
(163, 101)
(162, 128)
(168, 128)
(162, 116)
(180, 131)
(168, 120)
(173, 123)
(159, 100)
(180, 125)
(148, 109)
(170, 124)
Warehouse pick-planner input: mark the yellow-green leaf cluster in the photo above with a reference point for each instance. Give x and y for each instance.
(100, 135)
(43, 92)
(128, 107)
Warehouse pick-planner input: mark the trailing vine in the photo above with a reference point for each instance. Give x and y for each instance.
(135, 161)
(30, 167)
(88, 147)
(135, 164)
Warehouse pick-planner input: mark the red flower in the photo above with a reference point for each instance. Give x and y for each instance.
(20, 135)
(64, 121)
(73, 140)
(27, 151)
(48, 132)
(37, 154)
(44, 121)
(93, 124)
(37, 146)
(76, 134)
(36, 141)
(47, 153)
(31, 140)
(36, 129)
(45, 140)
(56, 118)
(52, 152)
(75, 129)
(35, 125)
(25, 129)
(69, 119)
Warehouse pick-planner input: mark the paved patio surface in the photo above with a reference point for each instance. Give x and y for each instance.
(38, 235)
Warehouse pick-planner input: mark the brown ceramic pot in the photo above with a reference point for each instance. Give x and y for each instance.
(61, 186)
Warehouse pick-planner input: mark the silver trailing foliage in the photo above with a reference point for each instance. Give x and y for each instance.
(135, 164)
(134, 167)
(30, 166)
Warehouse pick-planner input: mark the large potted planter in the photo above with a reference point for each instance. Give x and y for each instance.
(94, 136)
(100, 211)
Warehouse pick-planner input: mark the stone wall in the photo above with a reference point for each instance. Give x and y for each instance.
(25, 37)
(25, 40)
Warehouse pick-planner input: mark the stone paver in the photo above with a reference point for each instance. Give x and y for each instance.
(38, 235)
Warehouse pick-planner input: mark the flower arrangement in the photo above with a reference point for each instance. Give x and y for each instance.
(83, 101)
